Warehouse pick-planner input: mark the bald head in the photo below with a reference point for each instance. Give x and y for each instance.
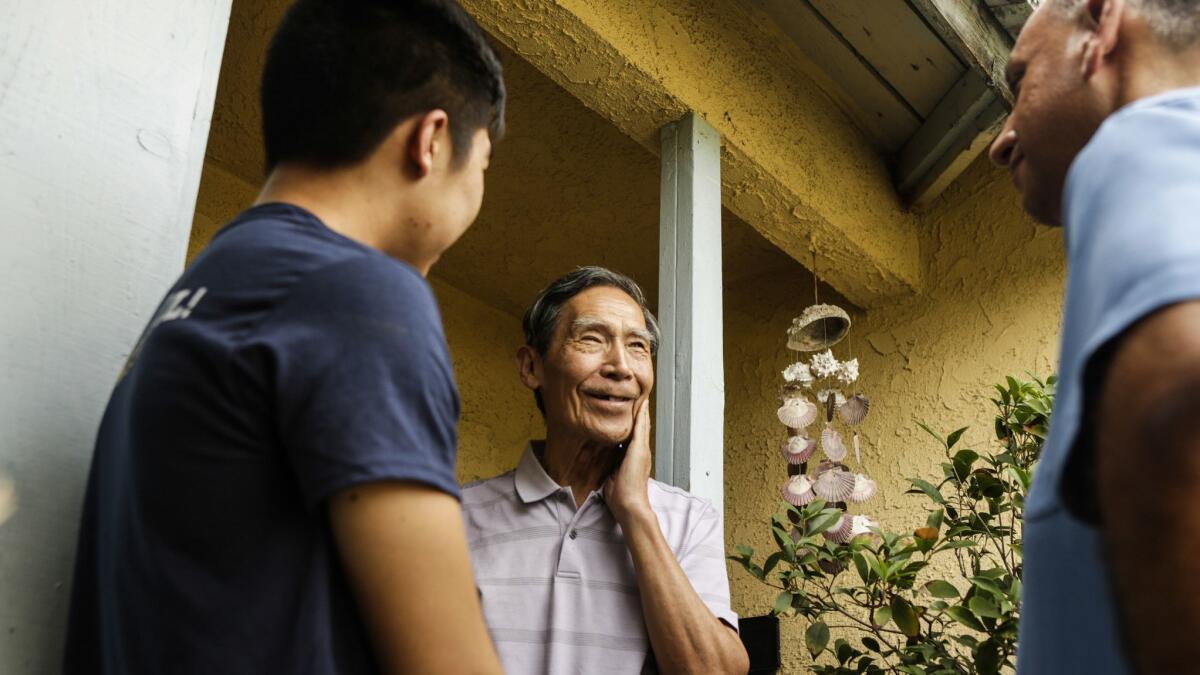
(1176, 23)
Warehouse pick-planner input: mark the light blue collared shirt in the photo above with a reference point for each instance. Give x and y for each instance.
(1132, 223)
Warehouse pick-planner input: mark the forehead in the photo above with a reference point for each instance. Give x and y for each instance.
(1045, 24)
(604, 304)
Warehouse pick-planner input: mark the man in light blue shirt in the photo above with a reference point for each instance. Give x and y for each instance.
(1104, 139)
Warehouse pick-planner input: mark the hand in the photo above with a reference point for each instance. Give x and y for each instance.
(625, 491)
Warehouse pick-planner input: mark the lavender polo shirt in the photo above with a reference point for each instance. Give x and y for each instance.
(558, 586)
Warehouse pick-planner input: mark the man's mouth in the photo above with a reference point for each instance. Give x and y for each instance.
(609, 398)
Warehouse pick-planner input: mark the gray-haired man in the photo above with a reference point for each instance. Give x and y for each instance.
(585, 565)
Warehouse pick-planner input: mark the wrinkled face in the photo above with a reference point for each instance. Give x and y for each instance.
(598, 369)
(1055, 112)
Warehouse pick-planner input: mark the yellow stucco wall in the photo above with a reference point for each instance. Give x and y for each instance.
(992, 307)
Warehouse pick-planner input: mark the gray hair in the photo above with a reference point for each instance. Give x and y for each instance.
(1175, 22)
(541, 318)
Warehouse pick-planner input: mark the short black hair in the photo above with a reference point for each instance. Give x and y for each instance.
(341, 74)
(541, 319)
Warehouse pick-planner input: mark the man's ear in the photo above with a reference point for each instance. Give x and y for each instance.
(427, 140)
(529, 367)
(1103, 19)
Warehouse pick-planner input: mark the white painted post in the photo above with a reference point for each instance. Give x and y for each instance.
(690, 418)
(104, 117)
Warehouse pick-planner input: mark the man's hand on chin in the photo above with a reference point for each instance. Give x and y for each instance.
(625, 491)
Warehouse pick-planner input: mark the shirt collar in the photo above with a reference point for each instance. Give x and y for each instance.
(533, 483)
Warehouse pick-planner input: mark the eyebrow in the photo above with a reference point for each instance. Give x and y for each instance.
(584, 324)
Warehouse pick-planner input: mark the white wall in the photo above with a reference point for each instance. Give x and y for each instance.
(104, 116)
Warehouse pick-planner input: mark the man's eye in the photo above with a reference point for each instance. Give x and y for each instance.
(640, 346)
(591, 338)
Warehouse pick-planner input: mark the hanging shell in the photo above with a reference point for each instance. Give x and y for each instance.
(799, 449)
(857, 450)
(841, 530)
(832, 444)
(855, 409)
(818, 327)
(861, 525)
(797, 412)
(834, 484)
(798, 490)
(864, 489)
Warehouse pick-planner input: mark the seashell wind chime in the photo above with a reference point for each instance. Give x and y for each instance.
(821, 377)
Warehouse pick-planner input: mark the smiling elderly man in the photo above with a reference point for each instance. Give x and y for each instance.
(585, 564)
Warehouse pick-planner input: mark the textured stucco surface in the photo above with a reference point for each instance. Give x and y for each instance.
(793, 165)
(576, 182)
(991, 308)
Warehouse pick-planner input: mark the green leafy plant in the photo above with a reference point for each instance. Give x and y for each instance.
(884, 590)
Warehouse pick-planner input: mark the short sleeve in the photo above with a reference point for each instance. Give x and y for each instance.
(1133, 232)
(363, 386)
(703, 561)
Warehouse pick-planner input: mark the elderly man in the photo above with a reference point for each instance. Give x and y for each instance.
(584, 564)
(1104, 138)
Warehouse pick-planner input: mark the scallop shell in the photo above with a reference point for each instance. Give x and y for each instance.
(857, 450)
(864, 489)
(855, 409)
(832, 445)
(799, 449)
(797, 412)
(834, 485)
(861, 525)
(841, 531)
(818, 327)
(798, 490)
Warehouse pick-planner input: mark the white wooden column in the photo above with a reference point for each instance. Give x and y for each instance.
(690, 414)
(104, 117)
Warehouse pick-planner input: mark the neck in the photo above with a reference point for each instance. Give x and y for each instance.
(349, 204)
(582, 465)
(1152, 68)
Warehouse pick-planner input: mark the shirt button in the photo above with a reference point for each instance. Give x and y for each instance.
(574, 533)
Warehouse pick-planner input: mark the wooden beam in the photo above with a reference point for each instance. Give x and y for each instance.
(981, 33)
(690, 418)
(972, 32)
(961, 126)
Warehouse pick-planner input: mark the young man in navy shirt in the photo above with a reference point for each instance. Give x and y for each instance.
(273, 487)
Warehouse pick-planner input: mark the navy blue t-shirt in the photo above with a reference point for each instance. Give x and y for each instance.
(288, 363)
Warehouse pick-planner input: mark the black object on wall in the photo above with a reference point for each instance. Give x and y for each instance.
(760, 635)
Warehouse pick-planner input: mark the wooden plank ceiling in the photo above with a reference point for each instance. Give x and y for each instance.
(924, 78)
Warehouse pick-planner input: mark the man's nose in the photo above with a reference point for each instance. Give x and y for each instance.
(1002, 148)
(616, 366)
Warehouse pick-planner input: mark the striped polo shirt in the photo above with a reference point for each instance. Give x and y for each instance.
(558, 586)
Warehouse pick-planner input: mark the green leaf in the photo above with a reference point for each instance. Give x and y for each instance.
(988, 585)
(984, 607)
(965, 617)
(987, 657)
(905, 617)
(860, 564)
(941, 589)
(771, 561)
(935, 434)
(928, 489)
(954, 436)
(883, 616)
(744, 551)
(935, 519)
(825, 520)
(783, 601)
(816, 637)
